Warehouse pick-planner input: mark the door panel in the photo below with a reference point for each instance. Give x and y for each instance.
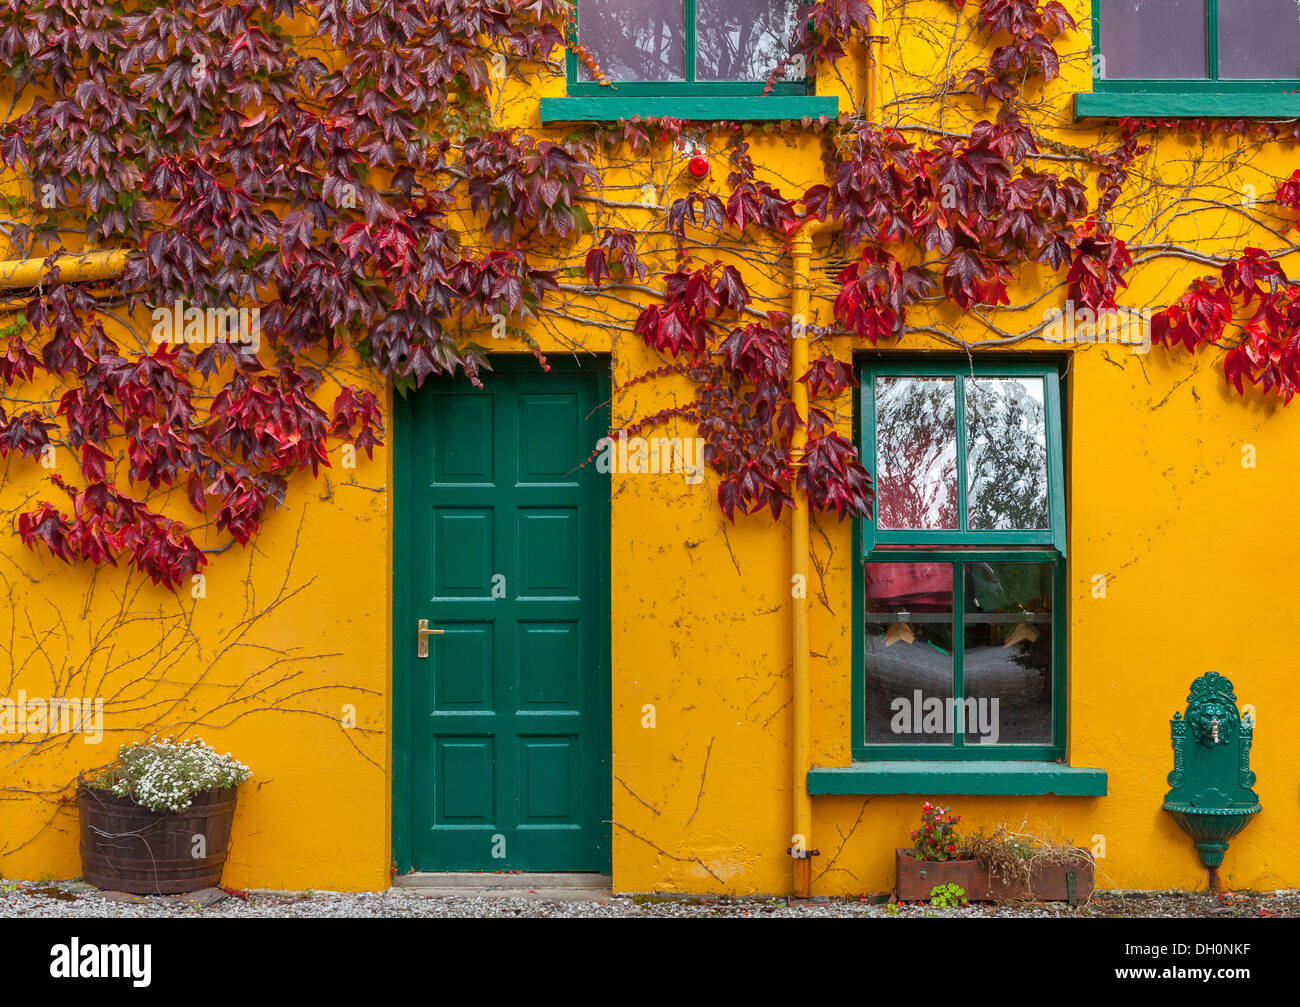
(501, 735)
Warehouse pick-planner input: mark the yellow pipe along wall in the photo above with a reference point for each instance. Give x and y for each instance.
(705, 625)
(802, 848)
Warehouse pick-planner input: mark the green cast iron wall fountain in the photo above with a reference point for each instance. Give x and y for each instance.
(1211, 799)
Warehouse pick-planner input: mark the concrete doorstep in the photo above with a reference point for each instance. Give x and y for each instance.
(559, 887)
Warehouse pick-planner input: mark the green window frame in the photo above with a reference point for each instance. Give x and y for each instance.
(1053, 535)
(1208, 97)
(709, 100)
(961, 548)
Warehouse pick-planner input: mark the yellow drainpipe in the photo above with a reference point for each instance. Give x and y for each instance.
(73, 268)
(801, 846)
(800, 551)
(874, 44)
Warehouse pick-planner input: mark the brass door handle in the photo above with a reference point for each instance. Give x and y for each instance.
(422, 634)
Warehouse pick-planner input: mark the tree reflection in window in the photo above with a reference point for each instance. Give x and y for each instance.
(916, 452)
(646, 40)
(1006, 453)
(744, 39)
(635, 39)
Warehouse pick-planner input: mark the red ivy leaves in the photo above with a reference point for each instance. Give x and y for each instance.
(693, 302)
(1097, 271)
(17, 362)
(875, 293)
(514, 178)
(47, 525)
(271, 418)
(26, 434)
(759, 353)
(833, 478)
(244, 498)
(713, 213)
(821, 34)
(973, 200)
(362, 413)
(106, 524)
(1267, 356)
(1199, 317)
(1243, 276)
(620, 244)
(964, 199)
(1288, 192)
(754, 202)
(754, 485)
(972, 277)
(258, 182)
(880, 190)
(1029, 54)
(828, 375)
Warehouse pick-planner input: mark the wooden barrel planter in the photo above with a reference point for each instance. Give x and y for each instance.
(128, 848)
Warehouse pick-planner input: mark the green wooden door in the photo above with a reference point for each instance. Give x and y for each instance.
(501, 740)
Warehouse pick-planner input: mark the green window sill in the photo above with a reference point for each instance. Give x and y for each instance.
(1190, 105)
(713, 108)
(1018, 779)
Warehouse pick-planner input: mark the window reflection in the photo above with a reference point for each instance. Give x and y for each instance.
(916, 452)
(1259, 39)
(1006, 453)
(1153, 39)
(907, 672)
(744, 39)
(635, 39)
(1007, 664)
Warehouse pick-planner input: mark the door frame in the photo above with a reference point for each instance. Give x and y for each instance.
(402, 642)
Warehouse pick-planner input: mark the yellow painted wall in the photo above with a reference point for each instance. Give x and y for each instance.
(290, 630)
(1196, 549)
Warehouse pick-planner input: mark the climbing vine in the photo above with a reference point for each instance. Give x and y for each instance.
(338, 167)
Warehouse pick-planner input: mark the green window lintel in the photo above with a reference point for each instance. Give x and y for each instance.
(712, 108)
(933, 779)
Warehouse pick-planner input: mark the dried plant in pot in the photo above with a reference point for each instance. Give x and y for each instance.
(1021, 865)
(157, 820)
(939, 856)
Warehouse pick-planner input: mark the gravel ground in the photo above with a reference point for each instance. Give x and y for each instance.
(76, 900)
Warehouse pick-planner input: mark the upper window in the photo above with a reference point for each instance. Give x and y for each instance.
(1207, 44)
(964, 456)
(959, 597)
(665, 47)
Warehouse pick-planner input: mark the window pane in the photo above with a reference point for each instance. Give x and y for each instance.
(1006, 453)
(907, 668)
(1007, 663)
(634, 39)
(744, 39)
(1153, 39)
(916, 452)
(1259, 39)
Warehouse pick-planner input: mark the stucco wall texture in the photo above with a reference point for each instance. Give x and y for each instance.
(296, 628)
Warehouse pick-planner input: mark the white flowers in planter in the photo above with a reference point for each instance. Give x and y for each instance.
(164, 775)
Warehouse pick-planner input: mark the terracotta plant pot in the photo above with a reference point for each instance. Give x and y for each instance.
(915, 879)
(128, 848)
